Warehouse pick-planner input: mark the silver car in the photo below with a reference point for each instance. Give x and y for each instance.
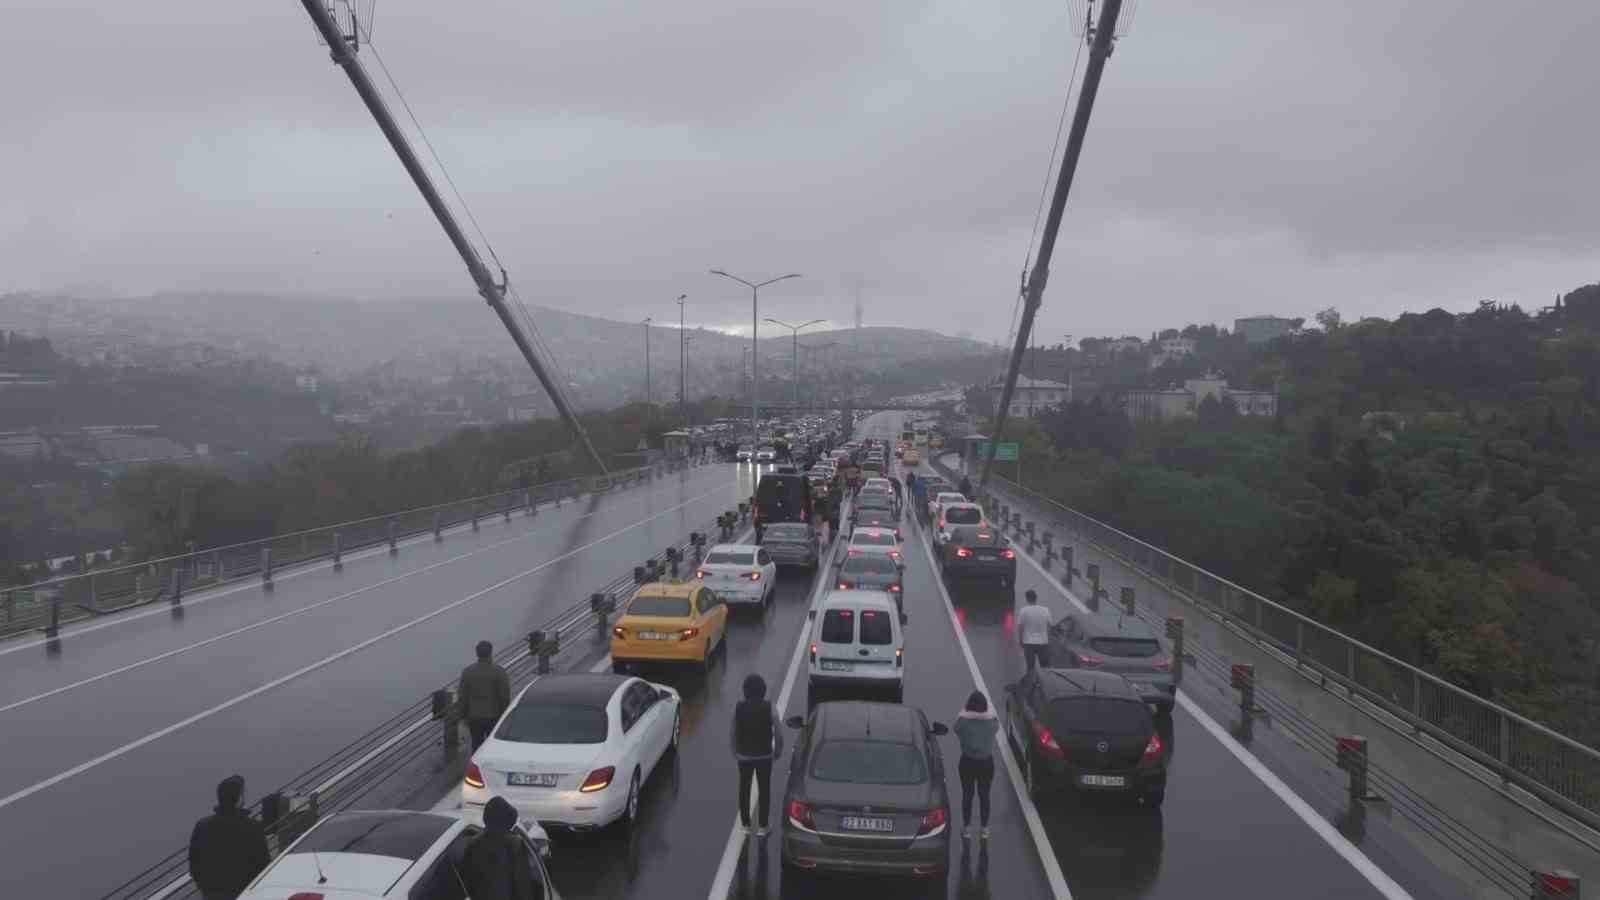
(792, 544)
(866, 793)
(1121, 644)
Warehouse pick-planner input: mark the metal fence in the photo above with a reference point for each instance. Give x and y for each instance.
(48, 604)
(1561, 771)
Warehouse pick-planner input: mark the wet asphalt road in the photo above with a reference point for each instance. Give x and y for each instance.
(1221, 834)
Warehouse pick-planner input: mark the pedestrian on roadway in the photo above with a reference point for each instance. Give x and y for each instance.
(757, 739)
(975, 729)
(227, 849)
(495, 866)
(965, 487)
(485, 694)
(1033, 631)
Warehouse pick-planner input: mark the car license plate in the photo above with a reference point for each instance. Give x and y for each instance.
(866, 823)
(1104, 780)
(527, 779)
(982, 555)
(650, 635)
(831, 666)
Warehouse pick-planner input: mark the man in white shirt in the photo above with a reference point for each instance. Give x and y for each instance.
(1033, 631)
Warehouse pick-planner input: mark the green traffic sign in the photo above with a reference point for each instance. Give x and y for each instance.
(1007, 453)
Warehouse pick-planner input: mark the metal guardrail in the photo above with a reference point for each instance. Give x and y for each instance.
(48, 604)
(342, 780)
(1559, 770)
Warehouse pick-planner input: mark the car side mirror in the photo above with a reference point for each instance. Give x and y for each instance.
(795, 722)
(664, 695)
(939, 728)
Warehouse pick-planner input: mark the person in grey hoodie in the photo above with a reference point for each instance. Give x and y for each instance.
(757, 739)
(975, 728)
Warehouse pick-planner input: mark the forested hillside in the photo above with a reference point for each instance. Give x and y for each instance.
(1431, 484)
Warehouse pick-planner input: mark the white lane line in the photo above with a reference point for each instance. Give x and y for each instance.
(1341, 845)
(1030, 813)
(274, 619)
(325, 661)
(722, 883)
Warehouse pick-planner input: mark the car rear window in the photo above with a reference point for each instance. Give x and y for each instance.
(873, 503)
(950, 497)
(553, 723)
(1124, 646)
(839, 626)
(731, 557)
(873, 539)
(963, 515)
(868, 762)
(395, 835)
(875, 628)
(786, 533)
(659, 606)
(868, 564)
(1100, 714)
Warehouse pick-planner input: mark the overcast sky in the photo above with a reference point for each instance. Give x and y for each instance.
(1244, 157)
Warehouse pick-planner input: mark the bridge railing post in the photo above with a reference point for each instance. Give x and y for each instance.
(1093, 574)
(266, 567)
(1127, 601)
(437, 534)
(1066, 561)
(394, 531)
(446, 712)
(1351, 756)
(1175, 634)
(602, 606)
(338, 550)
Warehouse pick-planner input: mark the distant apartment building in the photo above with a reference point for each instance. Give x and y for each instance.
(1174, 403)
(1123, 345)
(1260, 329)
(1171, 350)
(1032, 396)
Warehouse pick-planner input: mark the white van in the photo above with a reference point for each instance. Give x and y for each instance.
(856, 642)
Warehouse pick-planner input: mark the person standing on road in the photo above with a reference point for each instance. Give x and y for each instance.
(965, 487)
(757, 740)
(1033, 631)
(975, 728)
(227, 849)
(496, 866)
(485, 694)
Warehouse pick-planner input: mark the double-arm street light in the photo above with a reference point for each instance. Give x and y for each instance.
(795, 335)
(755, 296)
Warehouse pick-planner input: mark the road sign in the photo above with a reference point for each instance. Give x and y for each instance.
(1007, 453)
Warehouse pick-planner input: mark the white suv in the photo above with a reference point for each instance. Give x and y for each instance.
(856, 641)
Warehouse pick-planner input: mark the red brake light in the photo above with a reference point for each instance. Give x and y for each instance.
(813, 652)
(474, 775)
(688, 634)
(800, 814)
(756, 575)
(306, 895)
(932, 821)
(1164, 665)
(843, 586)
(1048, 742)
(963, 552)
(1008, 554)
(984, 535)
(618, 633)
(1152, 750)
(1090, 661)
(598, 780)
(899, 657)
(700, 573)
(894, 588)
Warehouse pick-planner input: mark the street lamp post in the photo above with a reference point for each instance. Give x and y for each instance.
(648, 413)
(683, 357)
(794, 331)
(755, 298)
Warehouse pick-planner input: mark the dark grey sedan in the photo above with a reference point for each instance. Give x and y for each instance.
(866, 793)
(1113, 642)
(792, 544)
(873, 572)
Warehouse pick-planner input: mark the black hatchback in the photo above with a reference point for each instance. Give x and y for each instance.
(1088, 731)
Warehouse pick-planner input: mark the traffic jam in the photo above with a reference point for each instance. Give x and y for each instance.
(805, 686)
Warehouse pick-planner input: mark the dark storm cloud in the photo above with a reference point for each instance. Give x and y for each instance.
(1245, 157)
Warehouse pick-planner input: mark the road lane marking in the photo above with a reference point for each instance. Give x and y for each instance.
(205, 595)
(1363, 864)
(1030, 812)
(722, 883)
(322, 663)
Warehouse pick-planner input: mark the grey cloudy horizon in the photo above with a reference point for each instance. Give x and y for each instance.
(1245, 157)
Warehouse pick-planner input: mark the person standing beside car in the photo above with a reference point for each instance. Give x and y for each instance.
(227, 849)
(975, 728)
(757, 740)
(485, 694)
(1033, 631)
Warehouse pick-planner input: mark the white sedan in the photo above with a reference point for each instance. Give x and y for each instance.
(937, 504)
(740, 573)
(573, 751)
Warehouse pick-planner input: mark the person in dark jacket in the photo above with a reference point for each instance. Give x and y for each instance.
(496, 865)
(227, 849)
(965, 487)
(757, 739)
(484, 695)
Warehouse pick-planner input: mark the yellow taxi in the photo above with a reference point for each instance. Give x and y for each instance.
(669, 621)
(912, 456)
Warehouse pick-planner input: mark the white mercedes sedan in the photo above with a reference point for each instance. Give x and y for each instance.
(574, 751)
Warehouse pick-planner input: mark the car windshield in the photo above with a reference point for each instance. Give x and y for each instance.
(839, 626)
(668, 607)
(730, 558)
(868, 564)
(868, 762)
(873, 539)
(786, 533)
(1101, 714)
(532, 722)
(1126, 647)
(963, 515)
(875, 628)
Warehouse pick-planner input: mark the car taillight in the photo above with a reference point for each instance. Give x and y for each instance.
(306, 895)
(598, 780)
(1008, 554)
(474, 775)
(813, 652)
(984, 535)
(1164, 665)
(899, 657)
(843, 586)
(1048, 742)
(963, 552)
(688, 634)
(618, 633)
(1090, 661)
(1152, 750)
(894, 554)
(932, 821)
(800, 814)
(894, 588)
(897, 533)
(755, 576)
(700, 573)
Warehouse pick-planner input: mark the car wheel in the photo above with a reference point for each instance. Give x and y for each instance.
(630, 812)
(1154, 799)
